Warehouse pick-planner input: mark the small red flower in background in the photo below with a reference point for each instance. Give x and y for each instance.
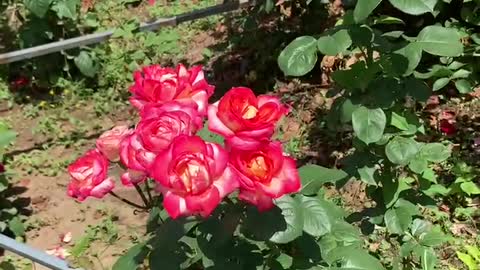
(89, 176)
(20, 82)
(194, 176)
(447, 123)
(244, 119)
(2, 168)
(151, 2)
(265, 174)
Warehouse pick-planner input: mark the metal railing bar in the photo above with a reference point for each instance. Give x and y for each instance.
(33, 254)
(95, 38)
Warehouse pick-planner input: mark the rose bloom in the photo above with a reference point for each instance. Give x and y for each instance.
(109, 142)
(136, 158)
(265, 174)
(89, 176)
(194, 176)
(155, 110)
(155, 84)
(243, 119)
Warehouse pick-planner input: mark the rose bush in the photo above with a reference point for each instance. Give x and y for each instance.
(200, 181)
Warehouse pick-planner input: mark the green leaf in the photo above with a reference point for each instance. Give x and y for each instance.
(473, 251)
(418, 164)
(435, 152)
(367, 175)
(399, 121)
(401, 150)
(440, 83)
(132, 258)
(392, 189)
(299, 57)
(437, 189)
(414, 7)
(417, 89)
(363, 9)
(313, 177)
(335, 43)
(85, 64)
(317, 216)
(38, 7)
(369, 124)
(292, 212)
(469, 13)
(397, 220)
(428, 259)
(356, 259)
(432, 238)
(284, 260)
(16, 226)
(420, 226)
(66, 9)
(209, 136)
(463, 86)
(7, 137)
(467, 260)
(441, 41)
(470, 188)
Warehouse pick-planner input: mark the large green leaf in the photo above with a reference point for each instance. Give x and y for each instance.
(428, 258)
(314, 176)
(318, 216)
(364, 8)
(7, 137)
(414, 7)
(367, 175)
(420, 227)
(441, 41)
(397, 220)
(299, 57)
(133, 258)
(292, 212)
(353, 258)
(470, 188)
(435, 152)
(66, 8)
(16, 226)
(413, 52)
(38, 7)
(335, 43)
(433, 238)
(401, 150)
(86, 64)
(369, 124)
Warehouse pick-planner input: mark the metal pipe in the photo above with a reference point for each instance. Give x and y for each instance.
(90, 39)
(33, 254)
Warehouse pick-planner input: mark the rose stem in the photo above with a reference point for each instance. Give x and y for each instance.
(142, 195)
(127, 201)
(149, 192)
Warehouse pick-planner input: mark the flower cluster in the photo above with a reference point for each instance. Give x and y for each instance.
(192, 175)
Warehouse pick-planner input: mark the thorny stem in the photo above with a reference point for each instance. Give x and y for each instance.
(127, 201)
(142, 195)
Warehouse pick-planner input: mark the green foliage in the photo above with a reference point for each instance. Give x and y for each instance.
(399, 61)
